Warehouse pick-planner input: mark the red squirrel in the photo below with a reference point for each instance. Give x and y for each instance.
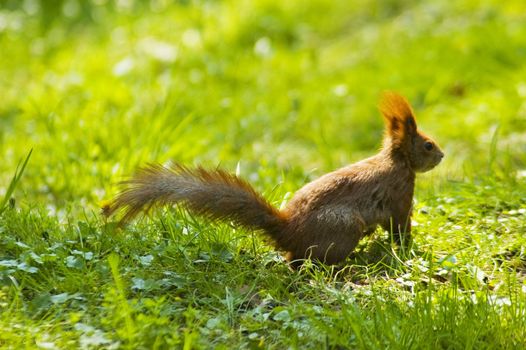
(327, 217)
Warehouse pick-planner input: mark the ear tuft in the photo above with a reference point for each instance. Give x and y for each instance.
(398, 115)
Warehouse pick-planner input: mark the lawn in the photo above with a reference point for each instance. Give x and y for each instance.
(280, 93)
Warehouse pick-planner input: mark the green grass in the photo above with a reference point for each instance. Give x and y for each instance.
(283, 92)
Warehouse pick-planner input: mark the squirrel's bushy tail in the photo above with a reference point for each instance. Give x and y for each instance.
(215, 194)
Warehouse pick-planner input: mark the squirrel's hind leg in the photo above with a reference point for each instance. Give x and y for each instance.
(328, 235)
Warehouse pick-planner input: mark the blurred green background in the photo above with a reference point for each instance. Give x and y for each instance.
(287, 89)
(280, 92)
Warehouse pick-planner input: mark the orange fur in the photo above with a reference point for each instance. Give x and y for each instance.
(399, 117)
(327, 217)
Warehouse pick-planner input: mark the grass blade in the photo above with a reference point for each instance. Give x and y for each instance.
(14, 182)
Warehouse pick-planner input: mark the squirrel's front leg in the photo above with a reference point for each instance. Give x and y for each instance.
(400, 228)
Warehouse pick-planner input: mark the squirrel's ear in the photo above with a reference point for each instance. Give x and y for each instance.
(399, 118)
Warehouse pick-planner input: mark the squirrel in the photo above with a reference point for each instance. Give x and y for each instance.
(326, 218)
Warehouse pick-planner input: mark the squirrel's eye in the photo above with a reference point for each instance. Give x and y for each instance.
(428, 146)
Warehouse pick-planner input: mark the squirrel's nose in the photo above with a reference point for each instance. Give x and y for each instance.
(441, 155)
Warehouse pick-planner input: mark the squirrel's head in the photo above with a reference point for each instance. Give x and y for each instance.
(403, 139)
